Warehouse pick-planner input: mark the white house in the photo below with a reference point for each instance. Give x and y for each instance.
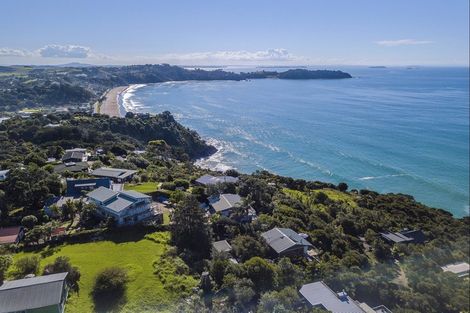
(4, 174)
(126, 207)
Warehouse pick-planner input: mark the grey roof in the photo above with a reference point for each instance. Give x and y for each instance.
(116, 201)
(395, 237)
(134, 194)
(282, 239)
(119, 204)
(226, 201)
(31, 293)
(4, 172)
(73, 155)
(112, 172)
(102, 194)
(318, 294)
(71, 167)
(222, 246)
(415, 236)
(212, 180)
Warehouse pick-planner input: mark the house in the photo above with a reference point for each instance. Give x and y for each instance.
(73, 167)
(285, 241)
(405, 236)
(222, 246)
(117, 175)
(45, 294)
(11, 235)
(75, 155)
(224, 203)
(319, 295)
(207, 180)
(460, 269)
(76, 187)
(4, 174)
(59, 202)
(126, 207)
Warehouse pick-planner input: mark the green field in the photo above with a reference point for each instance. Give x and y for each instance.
(147, 187)
(154, 285)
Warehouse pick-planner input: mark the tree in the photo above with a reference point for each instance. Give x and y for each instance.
(286, 300)
(342, 187)
(246, 247)
(240, 290)
(37, 233)
(261, 272)
(26, 265)
(189, 231)
(217, 270)
(61, 265)
(29, 221)
(288, 274)
(69, 209)
(5, 262)
(109, 288)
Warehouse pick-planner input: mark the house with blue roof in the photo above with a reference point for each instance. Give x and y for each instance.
(125, 207)
(77, 187)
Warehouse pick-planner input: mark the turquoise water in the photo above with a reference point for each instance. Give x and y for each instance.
(390, 130)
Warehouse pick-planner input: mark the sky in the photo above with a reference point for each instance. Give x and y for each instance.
(236, 32)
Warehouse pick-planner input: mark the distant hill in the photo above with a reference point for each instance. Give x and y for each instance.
(76, 84)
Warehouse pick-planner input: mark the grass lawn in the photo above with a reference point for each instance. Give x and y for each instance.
(152, 287)
(147, 187)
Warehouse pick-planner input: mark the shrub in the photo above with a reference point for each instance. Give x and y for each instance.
(26, 265)
(62, 264)
(109, 288)
(29, 221)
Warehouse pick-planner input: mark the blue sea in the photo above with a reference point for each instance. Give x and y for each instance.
(401, 130)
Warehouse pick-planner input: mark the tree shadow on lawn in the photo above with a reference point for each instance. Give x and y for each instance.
(128, 234)
(110, 302)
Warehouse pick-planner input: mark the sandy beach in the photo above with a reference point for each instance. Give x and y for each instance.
(110, 104)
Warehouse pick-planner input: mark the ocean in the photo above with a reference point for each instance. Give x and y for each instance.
(401, 130)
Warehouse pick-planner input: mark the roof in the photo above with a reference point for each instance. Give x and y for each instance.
(395, 237)
(414, 236)
(9, 234)
(4, 172)
(226, 201)
(222, 246)
(212, 180)
(76, 150)
(282, 239)
(461, 269)
(71, 167)
(318, 294)
(114, 200)
(102, 194)
(112, 172)
(31, 293)
(73, 155)
(59, 201)
(134, 194)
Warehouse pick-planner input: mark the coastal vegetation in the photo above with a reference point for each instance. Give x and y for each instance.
(172, 267)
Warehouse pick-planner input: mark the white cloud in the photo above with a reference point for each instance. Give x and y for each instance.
(65, 51)
(233, 56)
(7, 52)
(403, 42)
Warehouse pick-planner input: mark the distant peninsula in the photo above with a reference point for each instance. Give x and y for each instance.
(80, 86)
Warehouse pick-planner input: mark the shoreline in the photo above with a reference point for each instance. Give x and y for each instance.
(110, 105)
